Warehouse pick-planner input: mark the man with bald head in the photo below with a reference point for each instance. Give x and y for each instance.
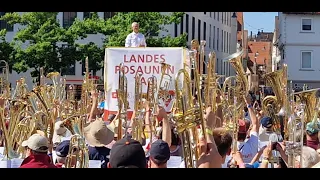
(135, 39)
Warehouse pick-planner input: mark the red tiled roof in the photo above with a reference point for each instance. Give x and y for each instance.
(264, 50)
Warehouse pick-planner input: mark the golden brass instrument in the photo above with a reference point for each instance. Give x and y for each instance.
(273, 104)
(187, 115)
(137, 128)
(153, 104)
(164, 85)
(211, 83)
(242, 80)
(122, 93)
(4, 80)
(87, 87)
(42, 77)
(78, 156)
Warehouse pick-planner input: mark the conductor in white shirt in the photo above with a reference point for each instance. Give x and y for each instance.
(135, 39)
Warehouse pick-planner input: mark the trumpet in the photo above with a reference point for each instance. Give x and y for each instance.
(188, 115)
(212, 86)
(137, 129)
(123, 105)
(78, 156)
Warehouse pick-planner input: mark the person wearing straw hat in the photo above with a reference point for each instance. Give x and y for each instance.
(60, 132)
(98, 136)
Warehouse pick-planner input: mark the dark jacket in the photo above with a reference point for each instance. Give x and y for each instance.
(99, 153)
(37, 161)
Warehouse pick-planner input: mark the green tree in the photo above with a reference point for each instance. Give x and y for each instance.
(43, 42)
(6, 50)
(151, 24)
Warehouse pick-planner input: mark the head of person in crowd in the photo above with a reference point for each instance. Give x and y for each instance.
(309, 158)
(60, 132)
(36, 145)
(159, 154)
(98, 134)
(127, 153)
(244, 125)
(135, 27)
(175, 146)
(62, 151)
(266, 123)
(312, 131)
(223, 140)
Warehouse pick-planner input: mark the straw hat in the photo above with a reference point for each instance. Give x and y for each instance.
(98, 134)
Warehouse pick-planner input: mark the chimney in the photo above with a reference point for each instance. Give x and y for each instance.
(250, 35)
(262, 31)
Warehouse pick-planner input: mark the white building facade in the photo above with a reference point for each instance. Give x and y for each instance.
(299, 47)
(217, 28)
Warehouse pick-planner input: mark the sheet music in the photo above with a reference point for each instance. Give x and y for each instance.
(174, 162)
(94, 164)
(16, 162)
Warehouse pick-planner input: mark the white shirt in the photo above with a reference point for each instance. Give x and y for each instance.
(135, 40)
(249, 148)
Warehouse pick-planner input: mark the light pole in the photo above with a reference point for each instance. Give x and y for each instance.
(255, 70)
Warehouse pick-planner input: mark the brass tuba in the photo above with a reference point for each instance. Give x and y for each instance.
(78, 156)
(165, 82)
(188, 116)
(123, 105)
(153, 104)
(273, 104)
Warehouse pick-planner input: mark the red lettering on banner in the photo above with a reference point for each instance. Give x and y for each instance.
(144, 58)
(114, 95)
(144, 69)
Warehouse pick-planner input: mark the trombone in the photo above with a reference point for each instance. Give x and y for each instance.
(123, 104)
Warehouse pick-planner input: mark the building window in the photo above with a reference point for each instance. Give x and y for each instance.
(217, 67)
(230, 19)
(86, 15)
(210, 14)
(71, 70)
(222, 19)
(4, 24)
(306, 24)
(210, 35)
(175, 29)
(187, 26)
(222, 40)
(181, 25)
(204, 31)
(204, 12)
(108, 15)
(218, 17)
(228, 43)
(218, 39)
(193, 27)
(68, 18)
(306, 59)
(227, 18)
(199, 30)
(214, 37)
(214, 15)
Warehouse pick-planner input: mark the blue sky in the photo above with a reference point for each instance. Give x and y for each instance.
(259, 20)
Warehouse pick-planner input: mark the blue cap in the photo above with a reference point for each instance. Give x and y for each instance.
(266, 122)
(160, 150)
(62, 149)
(313, 127)
(101, 106)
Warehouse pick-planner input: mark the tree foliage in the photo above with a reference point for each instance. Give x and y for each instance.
(43, 42)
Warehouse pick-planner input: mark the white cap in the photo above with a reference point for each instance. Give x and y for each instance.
(37, 143)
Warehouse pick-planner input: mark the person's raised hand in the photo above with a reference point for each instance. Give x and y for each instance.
(210, 118)
(267, 152)
(237, 156)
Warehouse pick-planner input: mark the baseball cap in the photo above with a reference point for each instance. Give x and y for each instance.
(37, 143)
(160, 150)
(127, 153)
(313, 127)
(62, 149)
(266, 122)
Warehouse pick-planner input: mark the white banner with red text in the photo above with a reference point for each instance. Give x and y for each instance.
(145, 61)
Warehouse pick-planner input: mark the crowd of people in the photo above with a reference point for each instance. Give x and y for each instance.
(258, 146)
